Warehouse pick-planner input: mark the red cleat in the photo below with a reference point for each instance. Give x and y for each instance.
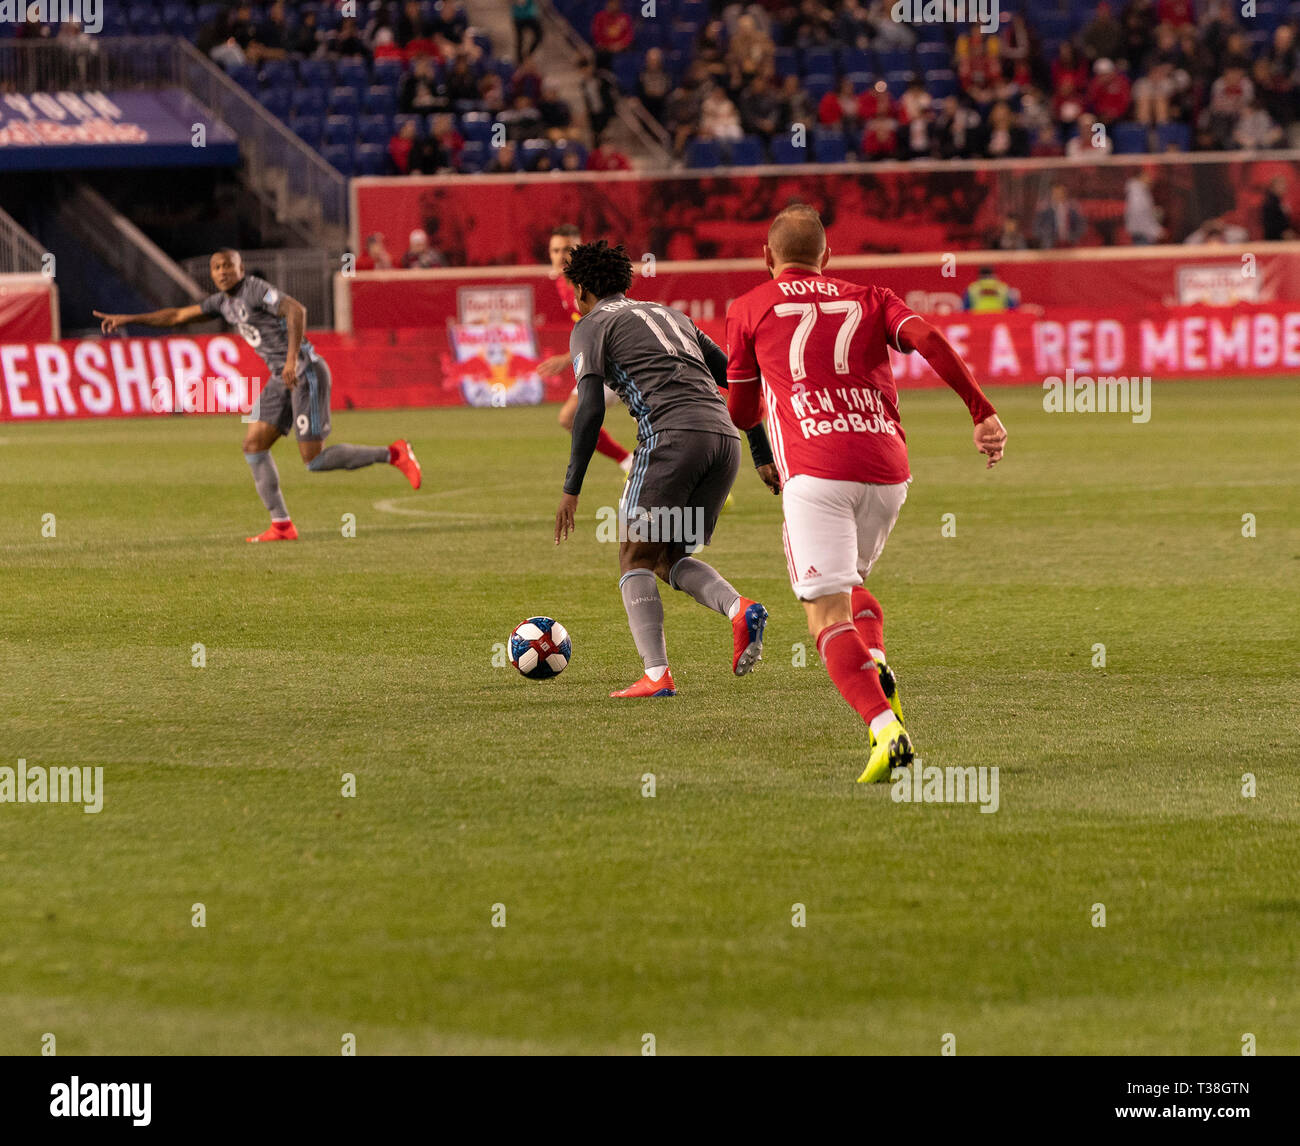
(402, 456)
(747, 635)
(279, 531)
(646, 687)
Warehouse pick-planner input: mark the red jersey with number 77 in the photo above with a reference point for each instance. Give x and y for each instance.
(821, 347)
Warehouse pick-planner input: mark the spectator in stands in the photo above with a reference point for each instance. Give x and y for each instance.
(1141, 215)
(399, 149)
(347, 41)
(612, 31)
(1255, 129)
(504, 160)
(1217, 230)
(462, 83)
(1274, 218)
(1009, 236)
(419, 252)
(420, 91)
(1176, 13)
(451, 30)
(527, 80)
(1139, 24)
(1217, 25)
(654, 84)
(1035, 115)
(427, 157)
(411, 25)
(1004, 138)
(602, 157)
(1089, 142)
(1109, 94)
(522, 120)
(682, 111)
(1068, 65)
(978, 70)
(1153, 94)
(915, 113)
(711, 49)
(1230, 95)
(571, 161)
(375, 257)
(527, 18)
(877, 103)
(810, 25)
(1282, 50)
(719, 118)
(751, 50)
(450, 141)
(852, 25)
(492, 93)
(760, 108)
(955, 129)
(307, 41)
(557, 116)
(598, 87)
(1045, 144)
(1067, 103)
(1274, 91)
(880, 140)
(842, 109)
(890, 34)
(1059, 222)
(796, 106)
(272, 40)
(242, 30)
(1103, 37)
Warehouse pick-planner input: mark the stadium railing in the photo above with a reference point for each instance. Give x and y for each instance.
(19, 252)
(305, 189)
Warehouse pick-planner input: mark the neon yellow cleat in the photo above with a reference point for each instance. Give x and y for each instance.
(730, 503)
(891, 749)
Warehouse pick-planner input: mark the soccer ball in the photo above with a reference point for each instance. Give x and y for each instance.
(540, 648)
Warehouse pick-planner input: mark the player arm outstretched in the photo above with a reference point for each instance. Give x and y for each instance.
(990, 434)
(587, 422)
(170, 316)
(760, 449)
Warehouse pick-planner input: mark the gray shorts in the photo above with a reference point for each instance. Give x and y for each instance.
(305, 409)
(679, 482)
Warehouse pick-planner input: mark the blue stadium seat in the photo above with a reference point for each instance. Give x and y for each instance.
(244, 75)
(308, 101)
(932, 56)
(1130, 138)
(388, 71)
(143, 20)
(276, 101)
(559, 151)
(676, 63)
(941, 83)
(278, 74)
(370, 159)
(786, 62)
(652, 33)
(829, 147)
(309, 129)
(531, 152)
(1177, 134)
(696, 11)
(785, 152)
(818, 85)
(474, 155)
(894, 61)
(860, 80)
(381, 99)
(316, 73)
(702, 153)
(897, 82)
(627, 70)
(855, 60)
(747, 152)
(476, 126)
(343, 101)
(340, 129)
(376, 129)
(353, 73)
(819, 61)
(339, 155)
(682, 38)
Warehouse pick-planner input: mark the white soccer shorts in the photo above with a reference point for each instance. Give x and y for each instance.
(611, 399)
(835, 531)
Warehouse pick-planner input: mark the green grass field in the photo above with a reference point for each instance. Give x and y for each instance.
(625, 915)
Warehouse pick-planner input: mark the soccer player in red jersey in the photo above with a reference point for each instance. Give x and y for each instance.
(814, 352)
(563, 239)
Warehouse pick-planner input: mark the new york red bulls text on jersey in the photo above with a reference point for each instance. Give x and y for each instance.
(821, 347)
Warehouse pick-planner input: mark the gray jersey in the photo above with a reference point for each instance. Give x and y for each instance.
(652, 357)
(252, 310)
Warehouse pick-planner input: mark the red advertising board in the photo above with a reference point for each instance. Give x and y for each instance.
(29, 308)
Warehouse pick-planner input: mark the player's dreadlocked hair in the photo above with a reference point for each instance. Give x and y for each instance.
(599, 269)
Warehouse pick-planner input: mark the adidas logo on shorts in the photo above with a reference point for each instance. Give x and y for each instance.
(812, 572)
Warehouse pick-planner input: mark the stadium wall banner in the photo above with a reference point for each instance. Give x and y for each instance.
(1112, 279)
(29, 308)
(219, 374)
(494, 220)
(63, 130)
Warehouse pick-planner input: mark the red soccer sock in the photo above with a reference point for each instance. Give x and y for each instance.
(869, 618)
(606, 445)
(851, 668)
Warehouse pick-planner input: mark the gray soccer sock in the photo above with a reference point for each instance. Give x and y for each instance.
(704, 583)
(345, 457)
(645, 615)
(267, 479)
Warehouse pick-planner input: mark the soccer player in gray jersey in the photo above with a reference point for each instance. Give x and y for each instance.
(668, 372)
(297, 390)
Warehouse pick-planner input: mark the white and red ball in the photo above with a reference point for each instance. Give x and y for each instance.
(540, 648)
